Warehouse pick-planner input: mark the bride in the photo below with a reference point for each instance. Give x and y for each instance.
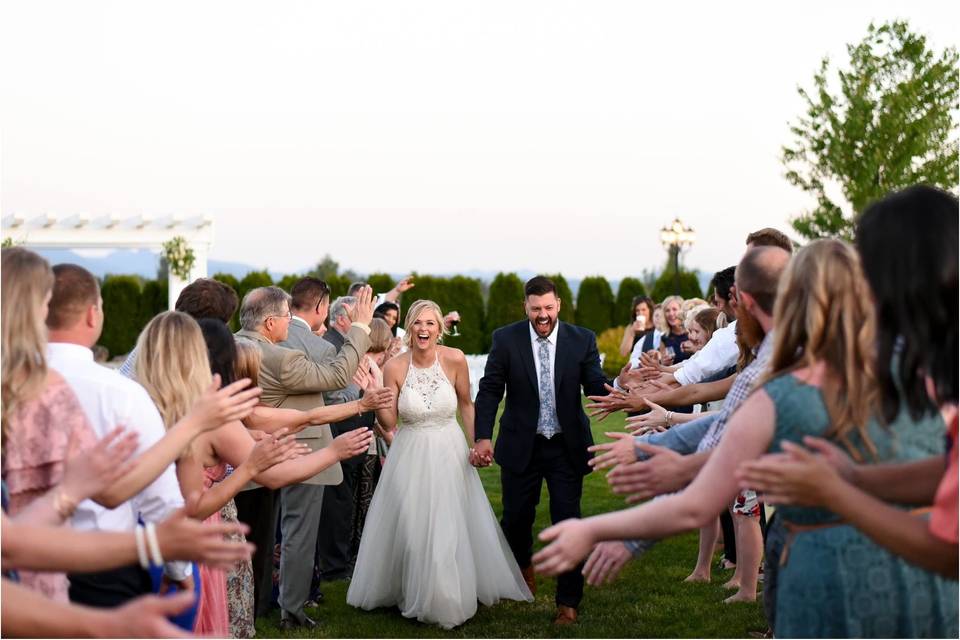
(431, 544)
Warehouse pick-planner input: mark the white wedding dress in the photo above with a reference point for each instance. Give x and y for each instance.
(431, 544)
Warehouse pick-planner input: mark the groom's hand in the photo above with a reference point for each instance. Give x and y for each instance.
(483, 453)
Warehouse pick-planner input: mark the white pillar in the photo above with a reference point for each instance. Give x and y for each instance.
(175, 286)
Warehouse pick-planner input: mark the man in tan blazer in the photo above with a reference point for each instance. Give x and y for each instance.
(291, 379)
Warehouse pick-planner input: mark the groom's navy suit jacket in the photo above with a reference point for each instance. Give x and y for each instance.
(511, 366)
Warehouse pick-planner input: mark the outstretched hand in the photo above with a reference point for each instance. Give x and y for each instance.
(620, 451)
(602, 406)
(570, 542)
(658, 474)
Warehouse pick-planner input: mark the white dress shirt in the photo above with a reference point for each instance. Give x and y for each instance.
(552, 350)
(110, 400)
(720, 353)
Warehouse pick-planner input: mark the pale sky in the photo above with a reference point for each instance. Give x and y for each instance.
(432, 136)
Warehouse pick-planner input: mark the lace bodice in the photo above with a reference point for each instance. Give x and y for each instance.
(427, 399)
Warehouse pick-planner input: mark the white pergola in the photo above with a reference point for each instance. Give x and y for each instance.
(112, 232)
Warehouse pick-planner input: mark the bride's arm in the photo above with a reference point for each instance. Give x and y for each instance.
(747, 436)
(391, 380)
(462, 387)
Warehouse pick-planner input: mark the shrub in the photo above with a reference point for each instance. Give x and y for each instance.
(595, 304)
(623, 309)
(381, 282)
(465, 295)
(664, 286)
(504, 304)
(153, 300)
(121, 311)
(608, 343)
(567, 303)
(286, 282)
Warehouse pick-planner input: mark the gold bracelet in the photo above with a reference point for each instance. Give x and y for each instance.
(63, 504)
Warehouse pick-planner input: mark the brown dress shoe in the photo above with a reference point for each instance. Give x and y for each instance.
(565, 615)
(527, 573)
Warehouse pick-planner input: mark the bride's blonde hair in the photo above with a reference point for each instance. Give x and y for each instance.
(414, 312)
(825, 312)
(172, 364)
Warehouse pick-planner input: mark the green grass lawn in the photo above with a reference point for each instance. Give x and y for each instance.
(649, 598)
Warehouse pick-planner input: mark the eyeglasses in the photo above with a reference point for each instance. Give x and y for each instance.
(288, 316)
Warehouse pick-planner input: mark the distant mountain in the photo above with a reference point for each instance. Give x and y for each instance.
(144, 264)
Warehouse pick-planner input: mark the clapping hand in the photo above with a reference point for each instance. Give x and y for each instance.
(362, 311)
(352, 443)
(405, 285)
(272, 449)
(362, 377)
(88, 472)
(798, 475)
(377, 398)
(217, 406)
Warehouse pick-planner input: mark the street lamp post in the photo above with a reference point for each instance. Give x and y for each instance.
(676, 237)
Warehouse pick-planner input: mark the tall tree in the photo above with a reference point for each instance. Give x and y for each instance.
(889, 127)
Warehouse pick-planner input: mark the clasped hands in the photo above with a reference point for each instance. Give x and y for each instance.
(481, 455)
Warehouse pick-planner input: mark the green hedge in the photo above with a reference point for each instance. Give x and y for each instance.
(567, 303)
(504, 303)
(664, 286)
(458, 293)
(130, 302)
(595, 304)
(122, 313)
(623, 309)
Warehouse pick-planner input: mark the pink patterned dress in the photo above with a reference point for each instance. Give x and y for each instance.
(43, 433)
(212, 617)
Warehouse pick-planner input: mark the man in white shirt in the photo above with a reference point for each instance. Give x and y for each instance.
(109, 399)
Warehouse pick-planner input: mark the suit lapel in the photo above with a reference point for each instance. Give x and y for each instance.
(526, 354)
(560, 361)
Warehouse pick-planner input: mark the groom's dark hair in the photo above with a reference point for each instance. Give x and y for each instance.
(539, 286)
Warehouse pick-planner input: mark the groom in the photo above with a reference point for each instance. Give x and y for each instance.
(544, 433)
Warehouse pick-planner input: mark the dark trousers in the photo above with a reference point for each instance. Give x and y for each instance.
(109, 588)
(336, 522)
(257, 508)
(729, 539)
(521, 494)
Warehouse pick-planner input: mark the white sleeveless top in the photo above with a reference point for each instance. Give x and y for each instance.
(427, 399)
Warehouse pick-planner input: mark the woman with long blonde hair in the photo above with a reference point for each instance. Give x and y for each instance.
(43, 423)
(833, 581)
(173, 366)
